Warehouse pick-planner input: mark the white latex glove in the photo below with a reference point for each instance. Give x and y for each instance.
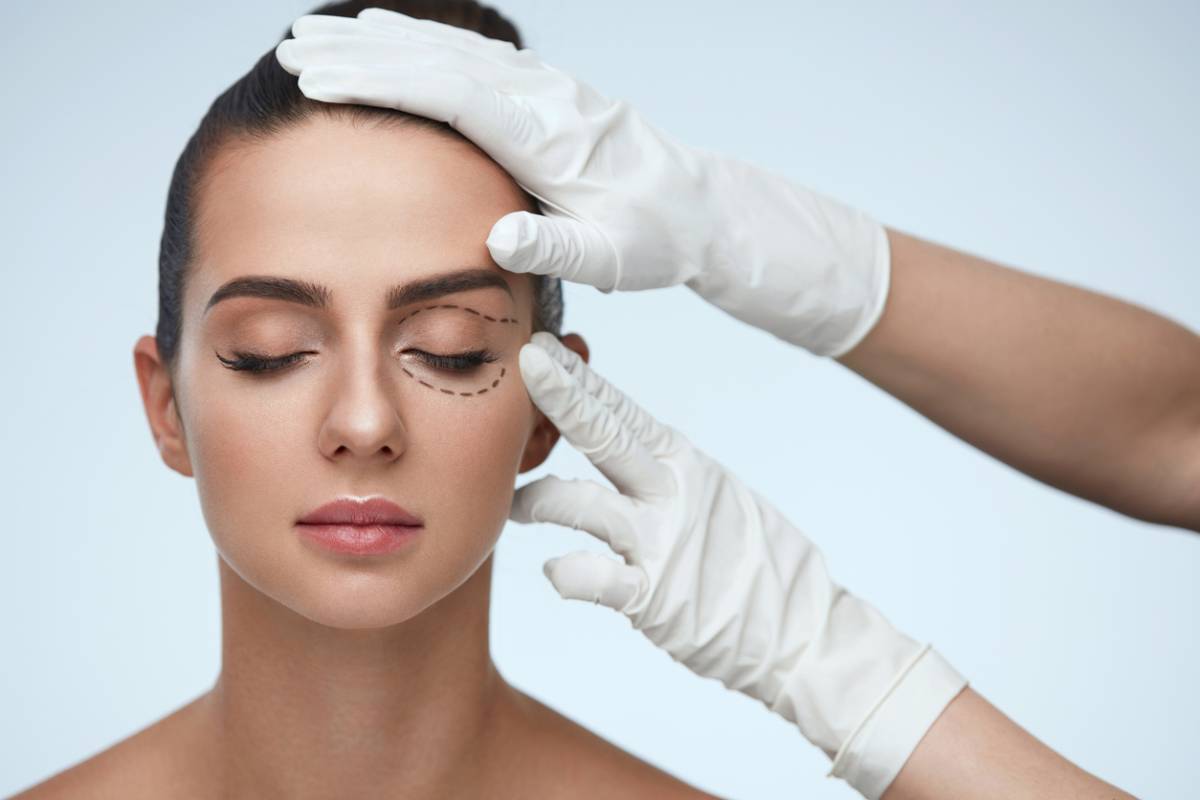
(718, 578)
(626, 206)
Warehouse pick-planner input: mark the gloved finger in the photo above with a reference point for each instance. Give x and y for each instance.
(371, 49)
(472, 108)
(517, 72)
(584, 575)
(383, 24)
(580, 504)
(369, 24)
(433, 31)
(334, 25)
(639, 421)
(560, 246)
(590, 427)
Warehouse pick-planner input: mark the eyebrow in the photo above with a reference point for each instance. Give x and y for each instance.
(316, 295)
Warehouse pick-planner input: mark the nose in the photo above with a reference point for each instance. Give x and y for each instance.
(363, 420)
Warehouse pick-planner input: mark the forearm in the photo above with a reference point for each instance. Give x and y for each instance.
(1084, 392)
(973, 751)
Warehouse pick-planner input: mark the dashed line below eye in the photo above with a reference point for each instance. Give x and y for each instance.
(442, 390)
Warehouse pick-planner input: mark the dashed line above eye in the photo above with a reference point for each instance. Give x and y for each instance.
(468, 309)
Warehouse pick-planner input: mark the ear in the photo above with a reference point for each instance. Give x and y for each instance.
(542, 439)
(154, 381)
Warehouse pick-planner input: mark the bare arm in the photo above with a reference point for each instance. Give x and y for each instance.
(974, 752)
(1092, 395)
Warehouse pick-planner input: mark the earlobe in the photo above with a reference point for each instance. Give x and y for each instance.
(174, 447)
(158, 401)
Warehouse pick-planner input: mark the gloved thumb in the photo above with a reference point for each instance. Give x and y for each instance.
(596, 578)
(558, 246)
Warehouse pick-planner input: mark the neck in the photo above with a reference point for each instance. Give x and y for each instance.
(303, 709)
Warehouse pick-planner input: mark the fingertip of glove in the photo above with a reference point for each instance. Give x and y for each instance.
(317, 24)
(536, 364)
(546, 341)
(567, 358)
(504, 242)
(286, 58)
(380, 15)
(513, 243)
(518, 510)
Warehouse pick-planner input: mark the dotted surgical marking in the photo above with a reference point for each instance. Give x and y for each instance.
(488, 317)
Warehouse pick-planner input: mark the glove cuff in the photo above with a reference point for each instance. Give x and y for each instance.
(801, 265)
(878, 748)
(877, 284)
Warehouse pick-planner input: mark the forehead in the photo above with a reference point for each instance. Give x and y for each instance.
(353, 206)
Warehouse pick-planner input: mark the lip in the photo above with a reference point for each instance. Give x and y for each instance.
(370, 526)
(367, 511)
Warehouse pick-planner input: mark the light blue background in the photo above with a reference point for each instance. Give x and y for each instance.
(1056, 137)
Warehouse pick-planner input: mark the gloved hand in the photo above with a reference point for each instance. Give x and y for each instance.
(717, 577)
(626, 206)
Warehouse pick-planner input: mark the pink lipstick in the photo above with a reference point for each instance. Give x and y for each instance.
(362, 527)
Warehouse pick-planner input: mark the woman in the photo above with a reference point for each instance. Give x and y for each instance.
(332, 327)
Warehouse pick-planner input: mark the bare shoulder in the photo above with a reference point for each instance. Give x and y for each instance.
(157, 761)
(561, 758)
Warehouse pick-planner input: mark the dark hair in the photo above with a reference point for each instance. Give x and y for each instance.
(267, 100)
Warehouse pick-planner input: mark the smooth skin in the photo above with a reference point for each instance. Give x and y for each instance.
(1087, 393)
(974, 752)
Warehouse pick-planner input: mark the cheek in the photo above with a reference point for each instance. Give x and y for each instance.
(468, 451)
(244, 447)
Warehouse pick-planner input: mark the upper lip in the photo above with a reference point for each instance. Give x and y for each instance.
(354, 511)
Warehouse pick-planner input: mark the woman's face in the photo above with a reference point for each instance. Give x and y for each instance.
(391, 222)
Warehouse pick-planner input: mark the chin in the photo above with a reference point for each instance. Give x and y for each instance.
(369, 606)
(356, 618)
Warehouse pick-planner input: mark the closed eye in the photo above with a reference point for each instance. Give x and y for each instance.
(458, 362)
(259, 362)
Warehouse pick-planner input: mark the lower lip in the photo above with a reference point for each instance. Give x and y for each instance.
(360, 540)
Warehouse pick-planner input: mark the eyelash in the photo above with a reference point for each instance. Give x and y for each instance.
(459, 362)
(258, 363)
